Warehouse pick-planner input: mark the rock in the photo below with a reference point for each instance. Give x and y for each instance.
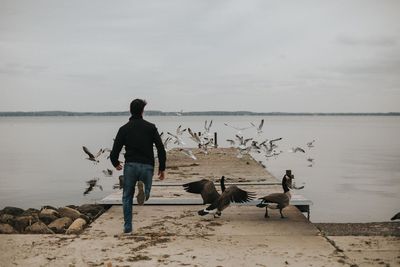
(76, 227)
(5, 228)
(48, 207)
(69, 212)
(22, 222)
(12, 211)
(7, 218)
(91, 210)
(60, 225)
(48, 215)
(31, 212)
(38, 228)
(86, 218)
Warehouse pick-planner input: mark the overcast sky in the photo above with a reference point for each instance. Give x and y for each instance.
(262, 56)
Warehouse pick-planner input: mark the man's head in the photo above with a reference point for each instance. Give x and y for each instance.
(137, 106)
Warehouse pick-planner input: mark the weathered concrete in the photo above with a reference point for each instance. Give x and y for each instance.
(177, 236)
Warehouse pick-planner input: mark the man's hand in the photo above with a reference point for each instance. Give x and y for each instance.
(119, 167)
(161, 175)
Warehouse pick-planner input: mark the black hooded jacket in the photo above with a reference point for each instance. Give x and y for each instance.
(138, 137)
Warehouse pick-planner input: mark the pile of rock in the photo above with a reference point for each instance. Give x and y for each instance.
(48, 220)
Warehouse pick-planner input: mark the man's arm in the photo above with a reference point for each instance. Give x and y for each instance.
(114, 155)
(162, 157)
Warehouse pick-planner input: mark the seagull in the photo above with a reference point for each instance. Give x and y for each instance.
(108, 172)
(259, 128)
(194, 137)
(310, 144)
(297, 149)
(179, 113)
(231, 142)
(177, 139)
(91, 156)
(240, 129)
(188, 153)
(180, 131)
(218, 201)
(202, 141)
(91, 184)
(207, 128)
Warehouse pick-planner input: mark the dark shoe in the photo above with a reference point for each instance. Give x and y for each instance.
(140, 196)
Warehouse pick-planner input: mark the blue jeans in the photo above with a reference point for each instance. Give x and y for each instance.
(134, 172)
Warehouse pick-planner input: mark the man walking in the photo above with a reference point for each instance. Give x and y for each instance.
(138, 137)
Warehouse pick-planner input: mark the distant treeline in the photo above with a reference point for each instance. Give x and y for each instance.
(189, 113)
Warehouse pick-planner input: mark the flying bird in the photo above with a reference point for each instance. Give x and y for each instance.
(92, 184)
(310, 144)
(218, 201)
(396, 217)
(108, 172)
(231, 142)
(297, 149)
(188, 153)
(91, 156)
(239, 129)
(259, 128)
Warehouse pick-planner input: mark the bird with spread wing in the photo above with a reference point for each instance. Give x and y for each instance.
(219, 202)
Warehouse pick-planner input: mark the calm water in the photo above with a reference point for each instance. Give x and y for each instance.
(355, 178)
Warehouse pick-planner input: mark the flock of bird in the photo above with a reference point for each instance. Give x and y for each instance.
(205, 140)
(206, 188)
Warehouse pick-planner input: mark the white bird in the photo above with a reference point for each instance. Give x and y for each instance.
(177, 139)
(180, 131)
(231, 142)
(310, 144)
(202, 141)
(207, 128)
(297, 149)
(108, 172)
(259, 128)
(188, 153)
(239, 129)
(91, 156)
(311, 160)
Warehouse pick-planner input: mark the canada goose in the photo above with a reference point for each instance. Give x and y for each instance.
(91, 156)
(218, 202)
(396, 217)
(280, 199)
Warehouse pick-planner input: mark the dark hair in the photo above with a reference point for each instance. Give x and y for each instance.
(137, 106)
